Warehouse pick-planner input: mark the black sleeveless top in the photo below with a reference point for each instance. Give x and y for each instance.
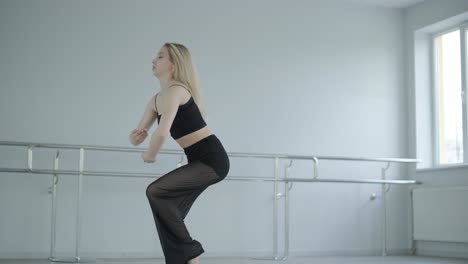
(187, 120)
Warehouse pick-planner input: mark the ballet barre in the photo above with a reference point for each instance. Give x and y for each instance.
(287, 180)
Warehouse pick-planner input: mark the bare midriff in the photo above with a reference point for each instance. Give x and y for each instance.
(193, 137)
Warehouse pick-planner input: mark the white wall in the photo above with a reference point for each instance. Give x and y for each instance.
(422, 16)
(302, 77)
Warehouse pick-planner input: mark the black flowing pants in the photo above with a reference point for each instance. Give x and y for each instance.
(172, 195)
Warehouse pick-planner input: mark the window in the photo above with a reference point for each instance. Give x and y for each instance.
(440, 83)
(449, 118)
(450, 113)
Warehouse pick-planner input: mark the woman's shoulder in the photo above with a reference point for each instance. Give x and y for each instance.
(176, 93)
(180, 91)
(179, 87)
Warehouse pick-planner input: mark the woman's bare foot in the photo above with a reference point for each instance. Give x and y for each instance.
(194, 261)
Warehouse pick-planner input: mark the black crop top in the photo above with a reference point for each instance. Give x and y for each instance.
(187, 120)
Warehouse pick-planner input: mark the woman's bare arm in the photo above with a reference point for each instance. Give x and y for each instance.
(149, 116)
(168, 110)
(137, 136)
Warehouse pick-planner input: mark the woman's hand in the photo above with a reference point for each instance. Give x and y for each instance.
(138, 135)
(148, 157)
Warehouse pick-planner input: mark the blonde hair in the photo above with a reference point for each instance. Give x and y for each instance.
(185, 71)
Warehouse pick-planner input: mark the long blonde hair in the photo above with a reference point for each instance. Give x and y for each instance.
(185, 71)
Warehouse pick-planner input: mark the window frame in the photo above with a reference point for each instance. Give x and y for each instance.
(463, 27)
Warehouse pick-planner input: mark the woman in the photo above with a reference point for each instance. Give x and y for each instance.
(176, 107)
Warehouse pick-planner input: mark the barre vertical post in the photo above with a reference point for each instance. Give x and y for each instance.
(275, 210)
(384, 213)
(78, 210)
(179, 163)
(286, 210)
(413, 245)
(315, 159)
(53, 226)
(30, 158)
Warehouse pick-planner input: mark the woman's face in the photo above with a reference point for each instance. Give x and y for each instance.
(162, 66)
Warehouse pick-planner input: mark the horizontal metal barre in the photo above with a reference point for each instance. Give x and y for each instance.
(114, 174)
(231, 154)
(234, 178)
(401, 182)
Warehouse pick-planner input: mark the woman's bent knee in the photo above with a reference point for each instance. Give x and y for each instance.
(153, 191)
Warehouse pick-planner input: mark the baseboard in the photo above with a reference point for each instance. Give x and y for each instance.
(441, 249)
(350, 252)
(207, 254)
(442, 253)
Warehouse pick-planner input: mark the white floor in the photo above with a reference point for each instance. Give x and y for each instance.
(291, 260)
